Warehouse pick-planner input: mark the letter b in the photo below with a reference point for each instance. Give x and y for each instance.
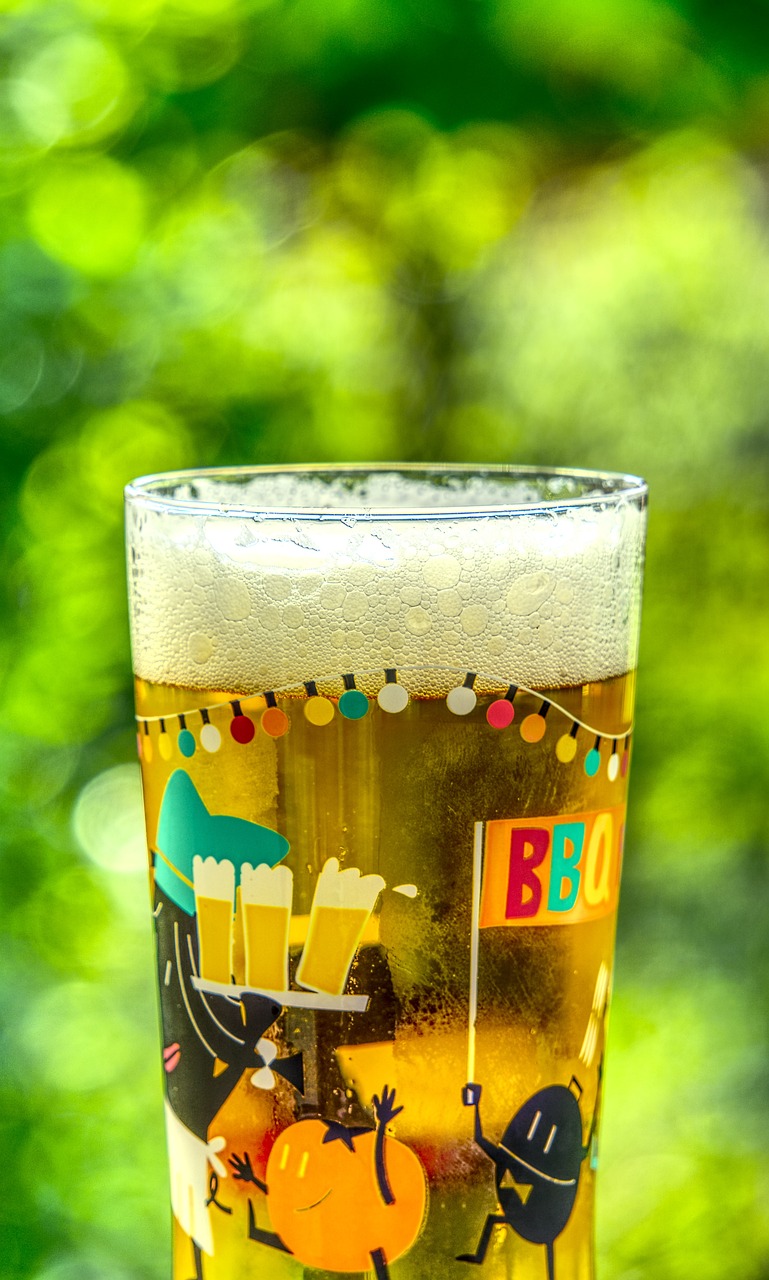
(528, 850)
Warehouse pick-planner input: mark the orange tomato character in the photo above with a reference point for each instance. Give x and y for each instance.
(341, 1198)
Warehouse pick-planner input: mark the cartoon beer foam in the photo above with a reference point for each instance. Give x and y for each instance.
(265, 897)
(341, 906)
(214, 882)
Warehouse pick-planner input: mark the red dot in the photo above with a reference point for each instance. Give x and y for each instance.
(275, 722)
(625, 763)
(242, 728)
(500, 714)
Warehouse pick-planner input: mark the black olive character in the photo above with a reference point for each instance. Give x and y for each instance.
(541, 1149)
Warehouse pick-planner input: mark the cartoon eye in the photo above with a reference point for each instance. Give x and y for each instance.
(550, 1138)
(303, 1164)
(534, 1124)
(284, 1157)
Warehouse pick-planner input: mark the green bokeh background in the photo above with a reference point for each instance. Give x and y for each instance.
(292, 230)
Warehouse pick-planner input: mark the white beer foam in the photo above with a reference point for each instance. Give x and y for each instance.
(268, 886)
(240, 602)
(213, 878)
(346, 888)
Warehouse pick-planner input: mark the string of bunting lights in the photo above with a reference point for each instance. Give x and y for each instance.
(175, 733)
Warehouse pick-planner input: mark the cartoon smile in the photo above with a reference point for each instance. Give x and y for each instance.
(306, 1207)
(558, 1182)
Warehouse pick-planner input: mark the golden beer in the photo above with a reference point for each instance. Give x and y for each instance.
(449, 998)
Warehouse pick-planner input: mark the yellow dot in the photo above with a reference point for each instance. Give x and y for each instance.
(566, 748)
(147, 748)
(319, 711)
(165, 746)
(533, 728)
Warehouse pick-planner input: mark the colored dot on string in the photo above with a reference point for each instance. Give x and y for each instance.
(461, 701)
(533, 728)
(353, 704)
(139, 745)
(393, 698)
(500, 713)
(210, 738)
(242, 729)
(165, 746)
(186, 743)
(566, 748)
(625, 763)
(612, 769)
(147, 748)
(592, 762)
(275, 722)
(319, 710)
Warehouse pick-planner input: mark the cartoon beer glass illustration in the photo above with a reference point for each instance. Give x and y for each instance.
(384, 720)
(265, 899)
(214, 896)
(341, 907)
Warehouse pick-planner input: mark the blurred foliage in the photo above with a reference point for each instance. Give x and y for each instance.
(284, 230)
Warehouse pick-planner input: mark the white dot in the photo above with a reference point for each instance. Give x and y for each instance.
(392, 697)
(210, 737)
(461, 700)
(613, 766)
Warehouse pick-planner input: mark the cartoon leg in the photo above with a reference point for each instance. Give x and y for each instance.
(380, 1265)
(550, 1261)
(198, 1261)
(263, 1237)
(493, 1220)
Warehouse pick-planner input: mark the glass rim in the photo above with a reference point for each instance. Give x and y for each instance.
(608, 488)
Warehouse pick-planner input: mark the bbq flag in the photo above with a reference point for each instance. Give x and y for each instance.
(552, 871)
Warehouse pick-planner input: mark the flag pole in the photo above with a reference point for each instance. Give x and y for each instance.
(474, 930)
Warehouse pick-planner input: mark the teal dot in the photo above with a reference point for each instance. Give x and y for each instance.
(186, 743)
(592, 763)
(353, 704)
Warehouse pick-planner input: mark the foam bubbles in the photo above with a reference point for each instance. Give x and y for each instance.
(224, 599)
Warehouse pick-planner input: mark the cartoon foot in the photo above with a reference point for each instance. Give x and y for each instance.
(378, 1258)
(198, 1262)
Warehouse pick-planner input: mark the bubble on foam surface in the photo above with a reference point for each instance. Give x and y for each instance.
(244, 603)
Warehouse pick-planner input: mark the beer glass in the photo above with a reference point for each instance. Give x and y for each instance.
(384, 722)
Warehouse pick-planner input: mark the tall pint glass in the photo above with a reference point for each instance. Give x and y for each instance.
(384, 721)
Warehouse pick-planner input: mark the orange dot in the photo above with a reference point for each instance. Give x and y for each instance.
(533, 728)
(274, 722)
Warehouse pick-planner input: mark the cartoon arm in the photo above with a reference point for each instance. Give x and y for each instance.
(244, 1171)
(471, 1097)
(385, 1110)
(596, 1112)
